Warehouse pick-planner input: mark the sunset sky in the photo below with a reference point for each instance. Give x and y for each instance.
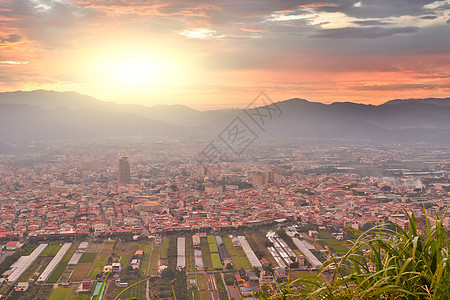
(214, 54)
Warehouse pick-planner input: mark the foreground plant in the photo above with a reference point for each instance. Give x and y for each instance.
(384, 264)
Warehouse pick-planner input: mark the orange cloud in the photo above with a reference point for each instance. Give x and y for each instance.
(254, 30)
(318, 5)
(283, 11)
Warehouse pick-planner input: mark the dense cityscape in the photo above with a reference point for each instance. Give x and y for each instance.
(189, 221)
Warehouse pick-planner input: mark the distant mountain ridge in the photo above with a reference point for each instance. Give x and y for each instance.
(40, 115)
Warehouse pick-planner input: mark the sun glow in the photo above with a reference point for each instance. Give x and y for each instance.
(135, 72)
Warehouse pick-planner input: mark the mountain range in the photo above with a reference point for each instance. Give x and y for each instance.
(49, 115)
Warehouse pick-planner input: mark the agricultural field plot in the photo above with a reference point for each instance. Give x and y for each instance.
(60, 269)
(81, 271)
(206, 254)
(101, 260)
(172, 253)
(154, 258)
(238, 257)
(63, 293)
(145, 260)
(164, 248)
(202, 287)
(190, 259)
(125, 248)
(301, 274)
(217, 264)
(88, 257)
(94, 247)
(335, 246)
(51, 250)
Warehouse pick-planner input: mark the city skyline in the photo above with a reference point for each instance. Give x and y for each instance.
(219, 55)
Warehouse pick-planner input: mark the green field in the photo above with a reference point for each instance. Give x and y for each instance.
(59, 270)
(147, 248)
(217, 264)
(213, 248)
(51, 250)
(164, 248)
(190, 262)
(88, 257)
(153, 267)
(211, 239)
(101, 260)
(202, 287)
(334, 245)
(67, 293)
(206, 255)
(237, 256)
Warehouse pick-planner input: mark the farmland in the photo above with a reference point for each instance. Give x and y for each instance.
(98, 255)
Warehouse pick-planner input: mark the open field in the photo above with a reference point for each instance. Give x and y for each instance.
(334, 245)
(238, 256)
(63, 293)
(164, 247)
(202, 287)
(147, 248)
(154, 258)
(217, 264)
(190, 260)
(51, 250)
(206, 254)
(81, 271)
(94, 247)
(102, 259)
(88, 257)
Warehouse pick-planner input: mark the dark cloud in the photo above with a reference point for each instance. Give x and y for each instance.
(429, 17)
(362, 33)
(12, 38)
(371, 23)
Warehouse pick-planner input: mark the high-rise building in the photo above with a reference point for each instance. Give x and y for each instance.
(259, 179)
(124, 171)
(274, 175)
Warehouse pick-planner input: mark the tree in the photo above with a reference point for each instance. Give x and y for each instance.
(230, 279)
(168, 274)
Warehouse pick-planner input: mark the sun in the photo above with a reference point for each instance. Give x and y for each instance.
(135, 72)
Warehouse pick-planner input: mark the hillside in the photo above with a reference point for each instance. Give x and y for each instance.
(39, 115)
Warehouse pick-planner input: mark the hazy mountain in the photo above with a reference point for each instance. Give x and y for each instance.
(38, 115)
(21, 123)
